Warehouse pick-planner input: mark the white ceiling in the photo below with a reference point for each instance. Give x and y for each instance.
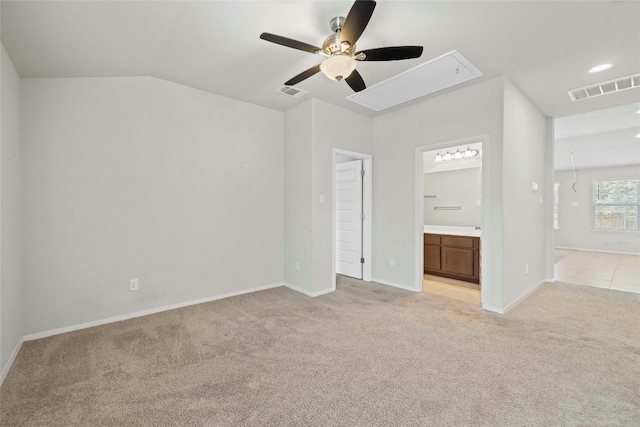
(605, 138)
(544, 47)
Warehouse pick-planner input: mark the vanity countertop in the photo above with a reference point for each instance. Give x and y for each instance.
(452, 230)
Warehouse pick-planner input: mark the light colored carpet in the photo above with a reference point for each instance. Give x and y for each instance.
(366, 355)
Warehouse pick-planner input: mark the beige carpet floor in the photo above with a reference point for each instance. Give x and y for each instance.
(366, 355)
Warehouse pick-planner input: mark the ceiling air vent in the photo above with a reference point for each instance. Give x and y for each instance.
(292, 91)
(605, 88)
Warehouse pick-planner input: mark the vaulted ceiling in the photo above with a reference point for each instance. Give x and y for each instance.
(544, 47)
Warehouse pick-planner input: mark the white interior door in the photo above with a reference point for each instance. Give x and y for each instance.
(349, 218)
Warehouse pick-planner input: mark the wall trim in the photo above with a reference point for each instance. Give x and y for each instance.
(493, 309)
(395, 285)
(523, 296)
(12, 359)
(597, 250)
(308, 293)
(57, 331)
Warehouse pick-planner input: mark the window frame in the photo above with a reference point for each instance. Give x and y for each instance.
(594, 205)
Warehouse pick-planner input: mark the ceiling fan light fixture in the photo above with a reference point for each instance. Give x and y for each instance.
(338, 67)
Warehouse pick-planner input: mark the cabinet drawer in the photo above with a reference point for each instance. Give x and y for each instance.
(459, 241)
(431, 239)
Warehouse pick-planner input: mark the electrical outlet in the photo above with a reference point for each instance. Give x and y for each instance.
(526, 269)
(392, 262)
(133, 284)
(298, 265)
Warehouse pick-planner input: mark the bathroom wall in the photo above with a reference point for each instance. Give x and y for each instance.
(462, 188)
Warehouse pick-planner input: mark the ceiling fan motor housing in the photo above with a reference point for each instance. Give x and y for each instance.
(332, 43)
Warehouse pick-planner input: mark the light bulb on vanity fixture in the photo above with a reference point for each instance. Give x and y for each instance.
(470, 153)
(457, 155)
(447, 156)
(438, 157)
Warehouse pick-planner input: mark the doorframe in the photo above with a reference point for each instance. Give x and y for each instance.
(367, 209)
(419, 210)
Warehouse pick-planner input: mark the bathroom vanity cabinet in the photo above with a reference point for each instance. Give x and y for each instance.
(455, 257)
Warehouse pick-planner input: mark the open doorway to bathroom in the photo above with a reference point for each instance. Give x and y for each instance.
(452, 220)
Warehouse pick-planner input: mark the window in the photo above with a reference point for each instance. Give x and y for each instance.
(615, 205)
(556, 205)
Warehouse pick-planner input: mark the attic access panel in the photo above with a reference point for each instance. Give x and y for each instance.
(435, 75)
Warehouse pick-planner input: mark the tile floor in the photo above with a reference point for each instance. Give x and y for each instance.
(450, 288)
(603, 270)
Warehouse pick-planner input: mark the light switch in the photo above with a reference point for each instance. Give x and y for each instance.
(322, 198)
(575, 204)
(534, 186)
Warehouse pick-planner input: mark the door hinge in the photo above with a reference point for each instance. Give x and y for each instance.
(362, 217)
(361, 260)
(362, 172)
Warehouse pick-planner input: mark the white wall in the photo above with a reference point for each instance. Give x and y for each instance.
(137, 177)
(333, 127)
(575, 221)
(471, 111)
(524, 217)
(462, 187)
(312, 130)
(10, 222)
(297, 198)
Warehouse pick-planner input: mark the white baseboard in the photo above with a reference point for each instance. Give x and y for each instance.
(12, 358)
(91, 324)
(308, 293)
(395, 285)
(493, 309)
(597, 250)
(523, 297)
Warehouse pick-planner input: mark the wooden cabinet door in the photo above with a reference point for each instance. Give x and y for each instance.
(458, 261)
(431, 257)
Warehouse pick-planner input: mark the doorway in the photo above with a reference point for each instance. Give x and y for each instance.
(352, 214)
(449, 219)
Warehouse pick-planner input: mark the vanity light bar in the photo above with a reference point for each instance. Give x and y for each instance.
(457, 155)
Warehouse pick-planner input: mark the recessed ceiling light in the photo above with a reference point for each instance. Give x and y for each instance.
(600, 67)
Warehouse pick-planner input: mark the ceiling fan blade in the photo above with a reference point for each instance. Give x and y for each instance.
(355, 81)
(303, 75)
(392, 53)
(356, 21)
(295, 44)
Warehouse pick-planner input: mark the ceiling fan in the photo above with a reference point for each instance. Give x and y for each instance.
(339, 49)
